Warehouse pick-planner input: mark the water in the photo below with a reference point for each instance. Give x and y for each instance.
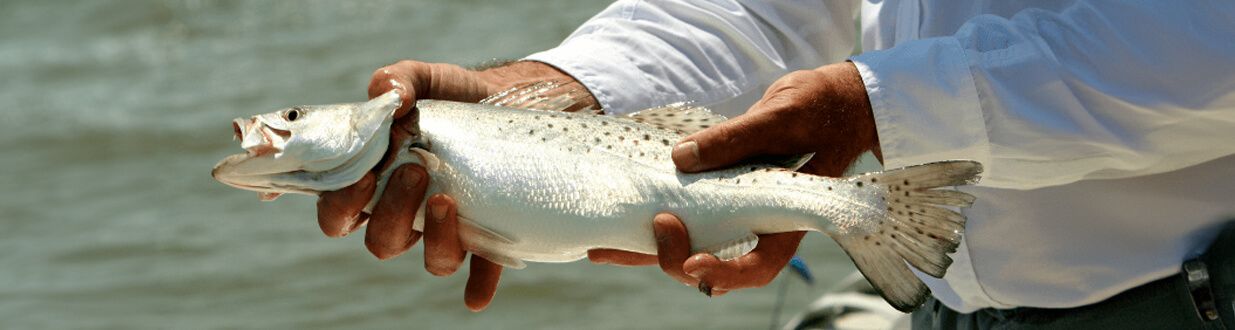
(113, 113)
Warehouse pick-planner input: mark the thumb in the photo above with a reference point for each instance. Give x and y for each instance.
(724, 144)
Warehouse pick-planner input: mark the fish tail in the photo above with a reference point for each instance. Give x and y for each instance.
(916, 227)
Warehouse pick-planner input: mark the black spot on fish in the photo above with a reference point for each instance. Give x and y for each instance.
(627, 128)
(873, 180)
(606, 133)
(906, 193)
(529, 132)
(859, 183)
(666, 142)
(705, 126)
(647, 137)
(795, 174)
(604, 123)
(550, 125)
(687, 120)
(597, 140)
(906, 182)
(669, 115)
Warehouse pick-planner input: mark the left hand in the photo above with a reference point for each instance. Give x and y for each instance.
(825, 111)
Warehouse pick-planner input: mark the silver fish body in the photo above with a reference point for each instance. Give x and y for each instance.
(558, 184)
(548, 186)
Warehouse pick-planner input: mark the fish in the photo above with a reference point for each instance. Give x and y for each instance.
(547, 186)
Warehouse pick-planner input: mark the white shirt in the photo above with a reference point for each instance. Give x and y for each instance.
(1107, 128)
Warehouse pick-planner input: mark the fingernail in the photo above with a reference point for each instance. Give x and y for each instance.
(660, 234)
(697, 272)
(686, 155)
(438, 211)
(411, 178)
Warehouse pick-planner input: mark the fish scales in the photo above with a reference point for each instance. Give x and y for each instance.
(548, 186)
(583, 181)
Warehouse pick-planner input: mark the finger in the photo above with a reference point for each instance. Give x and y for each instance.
(481, 283)
(390, 228)
(339, 212)
(396, 76)
(755, 269)
(443, 250)
(672, 246)
(620, 257)
(728, 143)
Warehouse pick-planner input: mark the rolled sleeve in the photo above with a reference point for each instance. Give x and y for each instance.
(600, 67)
(925, 105)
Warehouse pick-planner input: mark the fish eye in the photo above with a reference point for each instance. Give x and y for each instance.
(293, 114)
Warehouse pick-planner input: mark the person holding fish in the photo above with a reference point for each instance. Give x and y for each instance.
(1105, 129)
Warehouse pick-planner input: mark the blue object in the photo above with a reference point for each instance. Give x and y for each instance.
(799, 267)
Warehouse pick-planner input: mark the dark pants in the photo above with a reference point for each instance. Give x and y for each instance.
(1170, 303)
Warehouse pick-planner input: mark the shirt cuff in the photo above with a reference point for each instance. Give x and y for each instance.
(602, 69)
(924, 101)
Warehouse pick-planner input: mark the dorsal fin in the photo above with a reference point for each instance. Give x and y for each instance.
(547, 95)
(680, 117)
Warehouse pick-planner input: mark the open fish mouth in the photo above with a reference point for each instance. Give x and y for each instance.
(256, 137)
(259, 143)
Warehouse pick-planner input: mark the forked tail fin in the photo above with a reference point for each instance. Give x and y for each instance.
(917, 227)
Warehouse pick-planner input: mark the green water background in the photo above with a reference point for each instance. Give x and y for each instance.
(113, 112)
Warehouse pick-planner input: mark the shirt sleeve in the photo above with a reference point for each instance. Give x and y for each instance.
(1103, 89)
(723, 54)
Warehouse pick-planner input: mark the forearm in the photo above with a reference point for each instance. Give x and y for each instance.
(442, 81)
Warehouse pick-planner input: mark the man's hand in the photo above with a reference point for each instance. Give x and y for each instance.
(390, 232)
(824, 111)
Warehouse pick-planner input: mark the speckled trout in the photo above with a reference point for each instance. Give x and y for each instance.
(547, 186)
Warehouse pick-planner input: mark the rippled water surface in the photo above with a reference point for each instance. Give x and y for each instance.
(113, 112)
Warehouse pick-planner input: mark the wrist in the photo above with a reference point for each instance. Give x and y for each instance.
(853, 104)
(523, 73)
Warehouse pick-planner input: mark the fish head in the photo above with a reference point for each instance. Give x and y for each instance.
(308, 149)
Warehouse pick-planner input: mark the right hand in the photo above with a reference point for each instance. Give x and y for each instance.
(390, 232)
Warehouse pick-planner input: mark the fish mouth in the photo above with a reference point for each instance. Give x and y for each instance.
(256, 137)
(258, 141)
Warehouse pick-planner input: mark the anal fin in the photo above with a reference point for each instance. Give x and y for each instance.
(486, 243)
(733, 249)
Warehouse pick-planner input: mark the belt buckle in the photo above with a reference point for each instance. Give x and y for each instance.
(1197, 275)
